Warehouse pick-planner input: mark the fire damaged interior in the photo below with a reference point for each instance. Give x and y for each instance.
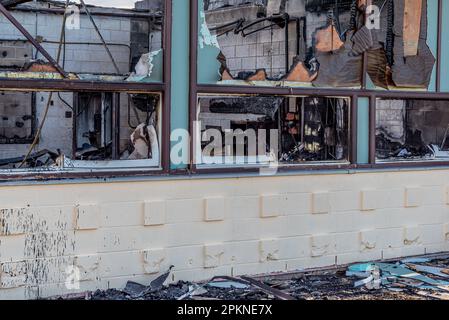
(86, 41)
(79, 40)
(319, 42)
(412, 129)
(79, 130)
(273, 129)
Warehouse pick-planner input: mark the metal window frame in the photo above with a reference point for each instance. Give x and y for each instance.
(163, 88)
(197, 89)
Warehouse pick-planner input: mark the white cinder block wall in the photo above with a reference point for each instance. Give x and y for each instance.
(115, 232)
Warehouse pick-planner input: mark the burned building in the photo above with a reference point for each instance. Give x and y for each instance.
(217, 138)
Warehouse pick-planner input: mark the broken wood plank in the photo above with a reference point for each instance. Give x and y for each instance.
(412, 26)
(300, 73)
(259, 75)
(327, 39)
(226, 75)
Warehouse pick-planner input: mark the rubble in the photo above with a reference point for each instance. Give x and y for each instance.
(417, 278)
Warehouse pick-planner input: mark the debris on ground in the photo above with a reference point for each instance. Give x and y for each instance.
(421, 278)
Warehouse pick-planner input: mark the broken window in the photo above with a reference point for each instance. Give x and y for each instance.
(93, 40)
(81, 130)
(258, 130)
(412, 130)
(316, 42)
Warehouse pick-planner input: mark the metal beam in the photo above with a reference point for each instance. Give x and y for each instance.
(33, 41)
(12, 3)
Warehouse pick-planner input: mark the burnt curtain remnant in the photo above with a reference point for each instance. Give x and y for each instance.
(320, 42)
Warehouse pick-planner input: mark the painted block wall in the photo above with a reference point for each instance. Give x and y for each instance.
(115, 232)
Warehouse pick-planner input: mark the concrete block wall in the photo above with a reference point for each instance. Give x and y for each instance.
(265, 49)
(115, 232)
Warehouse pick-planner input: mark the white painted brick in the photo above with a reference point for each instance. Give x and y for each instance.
(54, 218)
(413, 197)
(12, 248)
(116, 264)
(447, 195)
(154, 260)
(58, 289)
(347, 242)
(186, 257)
(320, 202)
(269, 250)
(243, 252)
(87, 217)
(433, 195)
(184, 210)
(214, 209)
(259, 268)
(12, 274)
(120, 239)
(119, 214)
(310, 263)
(384, 198)
(412, 236)
(88, 266)
(391, 238)
(322, 245)
(13, 221)
(200, 274)
(365, 256)
(213, 255)
(369, 240)
(270, 206)
(188, 233)
(86, 242)
(20, 293)
(243, 207)
(432, 234)
(342, 201)
(294, 247)
(154, 213)
(296, 203)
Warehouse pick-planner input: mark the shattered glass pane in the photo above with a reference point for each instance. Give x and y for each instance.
(78, 131)
(316, 42)
(102, 40)
(408, 130)
(254, 130)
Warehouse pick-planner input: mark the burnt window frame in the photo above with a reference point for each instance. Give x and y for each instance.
(163, 88)
(197, 89)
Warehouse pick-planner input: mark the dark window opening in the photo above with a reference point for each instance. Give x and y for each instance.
(412, 130)
(271, 129)
(86, 131)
